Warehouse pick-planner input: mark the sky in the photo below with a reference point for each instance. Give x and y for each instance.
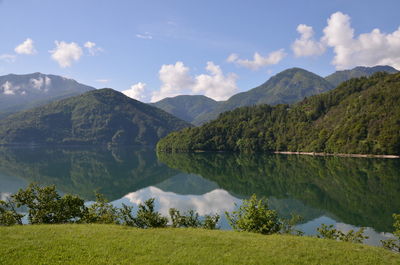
(156, 49)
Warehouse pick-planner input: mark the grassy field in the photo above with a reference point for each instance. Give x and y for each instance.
(111, 244)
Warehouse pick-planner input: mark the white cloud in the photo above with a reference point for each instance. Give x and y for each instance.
(8, 58)
(145, 36)
(41, 83)
(307, 45)
(216, 85)
(9, 89)
(26, 47)
(367, 49)
(136, 91)
(258, 60)
(91, 47)
(176, 80)
(66, 53)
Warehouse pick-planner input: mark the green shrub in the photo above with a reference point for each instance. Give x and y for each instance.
(191, 219)
(101, 212)
(394, 243)
(254, 216)
(47, 207)
(329, 232)
(148, 218)
(8, 214)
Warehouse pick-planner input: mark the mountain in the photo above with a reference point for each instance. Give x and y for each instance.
(340, 76)
(289, 86)
(187, 107)
(361, 116)
(96, 117)
(19, 92)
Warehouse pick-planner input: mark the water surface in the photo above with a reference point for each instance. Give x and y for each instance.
(346, 192)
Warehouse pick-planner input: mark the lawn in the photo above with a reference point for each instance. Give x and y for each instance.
(112, 244)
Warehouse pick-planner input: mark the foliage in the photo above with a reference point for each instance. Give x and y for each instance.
(101, 212)
(147, 217)
(103, 116)
(47, 207)
(394, 244)
(254, 216)
(8, 214)
(191, 219)
(113, 244)
(329, 232)
(361, 116)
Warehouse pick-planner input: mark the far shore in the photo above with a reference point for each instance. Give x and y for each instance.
(341, 155)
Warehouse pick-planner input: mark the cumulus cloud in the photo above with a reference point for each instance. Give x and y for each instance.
(306, 45)
(176, 80)
(8, 58)
(136, 91)
(66, 53)
(258, 60)
(92, 48)
(367, 49)
(145, 36)
(26, 47)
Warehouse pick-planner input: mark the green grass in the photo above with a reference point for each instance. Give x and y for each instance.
(111, 244)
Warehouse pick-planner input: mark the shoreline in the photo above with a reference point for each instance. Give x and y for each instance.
(339, 155)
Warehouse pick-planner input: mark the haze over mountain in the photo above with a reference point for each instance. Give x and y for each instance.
(19, 92)
(361, 116)
(96, 117)
(187, 107)
(340, 76)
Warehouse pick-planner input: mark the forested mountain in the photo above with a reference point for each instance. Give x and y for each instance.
(19, 92)
(362, 115)
(287, 87)
(340, 76)
(187, 107)
(96, 117)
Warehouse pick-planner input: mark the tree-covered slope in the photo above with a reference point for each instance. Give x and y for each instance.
(20, 92)
(339, 77)
(187, 107)
(360, 116)
(96, 117)
(289, 86)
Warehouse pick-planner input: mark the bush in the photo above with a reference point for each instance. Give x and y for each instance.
(8, 214)
(101, 212)
(254, 216)
(148, 218)
(47, 207)
(329, 232)
(191, 219)
(394, 244)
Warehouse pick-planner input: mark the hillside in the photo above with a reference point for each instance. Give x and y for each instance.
(289, 86)
(187, 107)
(340, 76)
(360, 116)
(112, 244)
(96, 117)
(20, 92)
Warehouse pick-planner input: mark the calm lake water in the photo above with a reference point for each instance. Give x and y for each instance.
(346, 192)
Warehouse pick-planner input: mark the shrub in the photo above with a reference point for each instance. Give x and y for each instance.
(191, 219)
(8, 214)
(148, 218)
(254, 216)
(101, 212)
(329, 232)
(394, 243)
(47, 207)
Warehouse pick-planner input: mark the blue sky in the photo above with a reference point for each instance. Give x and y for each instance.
(153, 49)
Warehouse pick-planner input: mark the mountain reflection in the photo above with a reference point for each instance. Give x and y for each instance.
(357, 191)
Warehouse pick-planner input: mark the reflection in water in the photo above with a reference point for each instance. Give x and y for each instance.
(357, 191)
(343, 191)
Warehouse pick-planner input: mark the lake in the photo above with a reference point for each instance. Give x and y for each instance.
(347, 192)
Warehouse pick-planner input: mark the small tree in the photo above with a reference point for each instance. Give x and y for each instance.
(148, 218)
(329, 232)
(101, 212)
(47, 207)
(8, 214)
(394, 244)
(255, 216)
